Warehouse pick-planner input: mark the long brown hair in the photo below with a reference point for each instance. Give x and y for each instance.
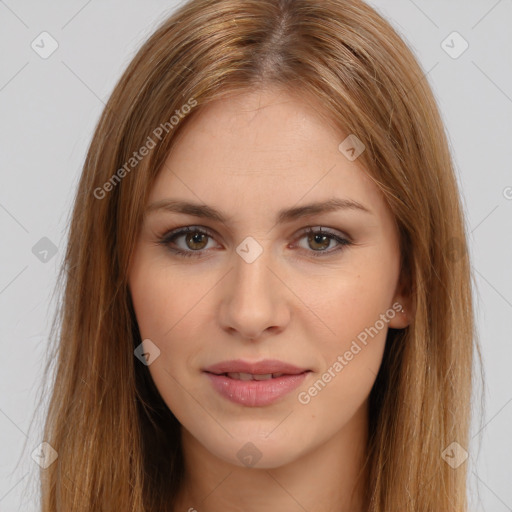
(118, 444)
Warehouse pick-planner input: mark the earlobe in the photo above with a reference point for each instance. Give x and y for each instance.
(402, 308)
(400, 321)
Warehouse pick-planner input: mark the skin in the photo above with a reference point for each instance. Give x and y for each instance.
(250, 156)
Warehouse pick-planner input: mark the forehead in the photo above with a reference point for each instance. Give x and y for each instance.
(262, 147)
(269, 126)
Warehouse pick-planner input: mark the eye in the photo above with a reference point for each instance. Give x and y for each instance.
(196, 241)
(194, 238)
(321, 239)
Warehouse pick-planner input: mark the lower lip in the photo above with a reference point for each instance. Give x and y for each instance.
(255, 393)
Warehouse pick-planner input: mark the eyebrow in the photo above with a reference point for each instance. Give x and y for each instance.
(286, 215)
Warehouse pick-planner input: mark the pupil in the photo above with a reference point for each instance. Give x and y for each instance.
(317, 238)
(195, 238)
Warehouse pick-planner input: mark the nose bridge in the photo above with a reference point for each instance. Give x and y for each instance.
(252, 301)
(252, 277)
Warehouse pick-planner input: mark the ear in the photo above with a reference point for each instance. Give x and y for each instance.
(402, 305)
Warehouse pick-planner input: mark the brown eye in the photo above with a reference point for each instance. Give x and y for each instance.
(319, 241)
(196, 240)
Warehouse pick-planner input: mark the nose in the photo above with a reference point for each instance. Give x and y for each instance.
(254, 300)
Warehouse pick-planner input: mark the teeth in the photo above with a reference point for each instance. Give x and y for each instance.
(250, 376)
(262, 377)
(245, 376)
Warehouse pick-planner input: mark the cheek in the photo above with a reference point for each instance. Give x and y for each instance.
(350, 363)
(164, 298)
(355, 311)
(167, 313)
(342, 304)
(170, 311)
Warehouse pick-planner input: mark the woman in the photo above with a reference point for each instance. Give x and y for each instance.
(268, 291)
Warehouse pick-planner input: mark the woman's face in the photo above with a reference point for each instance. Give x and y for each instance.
(256, 286)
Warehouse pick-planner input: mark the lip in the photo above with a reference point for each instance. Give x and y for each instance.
(257, 368)
(255, 393)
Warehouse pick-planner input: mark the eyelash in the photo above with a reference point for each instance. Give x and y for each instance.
(172, 235)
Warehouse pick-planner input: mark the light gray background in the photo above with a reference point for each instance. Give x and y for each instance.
(49, 108)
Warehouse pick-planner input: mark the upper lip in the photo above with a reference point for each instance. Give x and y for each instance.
(263, 367)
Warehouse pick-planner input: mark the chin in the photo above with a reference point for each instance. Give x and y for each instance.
(255, 449)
